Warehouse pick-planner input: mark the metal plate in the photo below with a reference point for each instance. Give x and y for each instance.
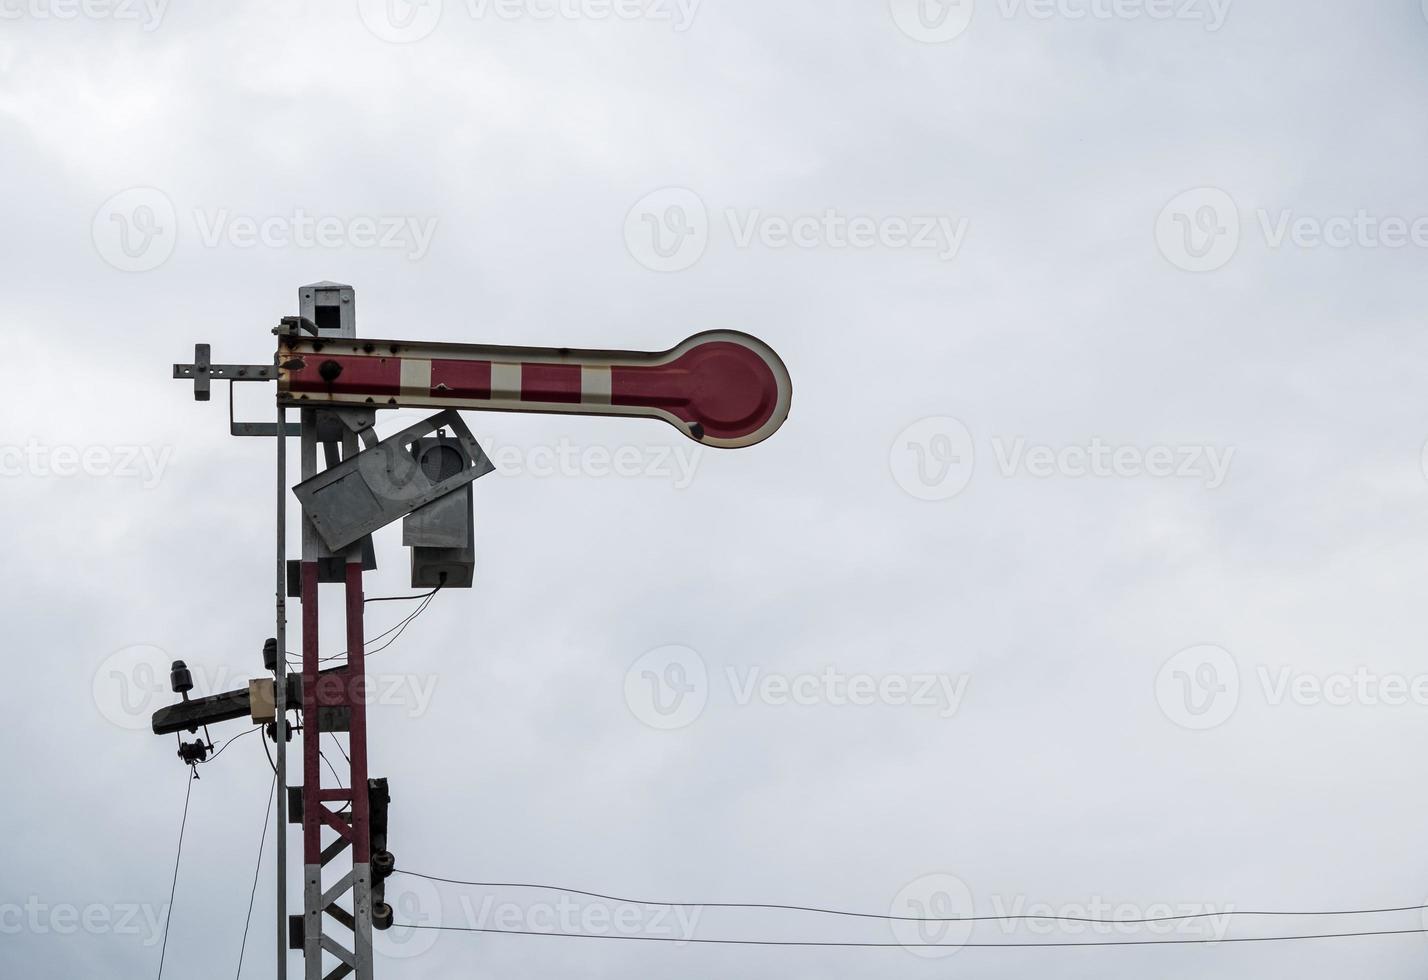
(388, 481)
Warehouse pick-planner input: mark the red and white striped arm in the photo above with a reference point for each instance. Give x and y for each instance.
(721, 388)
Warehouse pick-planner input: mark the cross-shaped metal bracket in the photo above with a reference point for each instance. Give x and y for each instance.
(203, 373)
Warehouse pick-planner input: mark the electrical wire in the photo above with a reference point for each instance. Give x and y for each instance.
(904, 918)
(333, 769)
(262, 842)
(270, 755)
(173, 887)
(346, 758)
(851, 945)
(400, 626)
(228, 743)
(409, 620)
(404, 598)
(337, 742)
(338, 656)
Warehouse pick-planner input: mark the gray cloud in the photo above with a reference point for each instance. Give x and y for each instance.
(512, 149)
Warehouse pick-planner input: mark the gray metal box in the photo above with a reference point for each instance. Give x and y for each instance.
(458, 565)
(330, 305)
(443, 523)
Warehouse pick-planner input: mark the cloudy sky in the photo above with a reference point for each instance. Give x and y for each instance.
(1084, 578)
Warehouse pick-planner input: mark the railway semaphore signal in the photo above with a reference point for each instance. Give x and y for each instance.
(722, 388)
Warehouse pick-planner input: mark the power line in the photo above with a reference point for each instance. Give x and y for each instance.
(262, 841)
(400, 626)
(330, 767)
(905, 918)
(270, 755)
(228, 743)
(851, 945)
(405, 623)
(173, 887)
(333, 769)
(336, 742)
(404, 598)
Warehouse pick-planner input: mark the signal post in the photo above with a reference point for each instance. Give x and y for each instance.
(722, 388)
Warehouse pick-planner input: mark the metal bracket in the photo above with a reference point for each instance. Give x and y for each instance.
(293, 325)
(202, 372)
(269, 429)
